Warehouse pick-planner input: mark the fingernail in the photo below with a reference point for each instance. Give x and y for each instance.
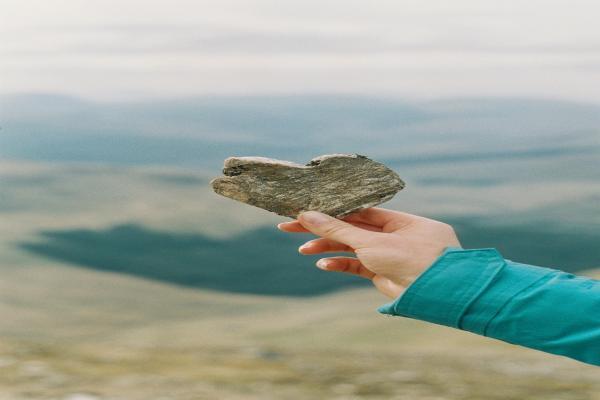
(302, 248)
(314, 217)
(322, 264)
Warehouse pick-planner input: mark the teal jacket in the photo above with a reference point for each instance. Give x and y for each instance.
(481, 292)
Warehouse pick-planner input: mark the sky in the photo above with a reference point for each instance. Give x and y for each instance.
(422, 49)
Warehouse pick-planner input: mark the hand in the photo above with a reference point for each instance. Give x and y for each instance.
(392, 248)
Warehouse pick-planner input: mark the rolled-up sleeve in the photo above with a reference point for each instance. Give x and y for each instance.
(479, 291)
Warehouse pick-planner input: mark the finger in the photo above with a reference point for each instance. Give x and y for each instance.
(380, 217)
(296, 227)
(332, 228)
(293, 226)
(347, 265)
(321, 245)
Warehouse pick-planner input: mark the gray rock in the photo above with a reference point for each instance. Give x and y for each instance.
(335, 184)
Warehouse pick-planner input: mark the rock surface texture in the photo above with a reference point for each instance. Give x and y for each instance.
(335, 184)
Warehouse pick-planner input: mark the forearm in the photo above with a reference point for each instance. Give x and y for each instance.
(479, 291)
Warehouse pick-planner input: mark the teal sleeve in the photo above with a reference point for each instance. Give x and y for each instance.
(481, 292)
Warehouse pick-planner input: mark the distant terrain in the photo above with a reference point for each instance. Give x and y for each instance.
(468, 133)
(125, 277)
(270, 257)
(517, 174)
(167, 225)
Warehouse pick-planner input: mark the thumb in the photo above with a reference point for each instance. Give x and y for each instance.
(332, 228)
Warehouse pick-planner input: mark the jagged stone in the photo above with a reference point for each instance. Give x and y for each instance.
(335, 184)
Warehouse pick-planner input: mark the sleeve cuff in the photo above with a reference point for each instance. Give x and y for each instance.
(463, 289)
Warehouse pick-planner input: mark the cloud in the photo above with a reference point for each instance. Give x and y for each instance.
(213, 39)
(404, 48)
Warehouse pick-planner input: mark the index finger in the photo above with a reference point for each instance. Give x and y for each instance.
(378, 217)
(296, 227)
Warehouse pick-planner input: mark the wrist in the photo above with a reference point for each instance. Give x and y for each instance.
(439, 294)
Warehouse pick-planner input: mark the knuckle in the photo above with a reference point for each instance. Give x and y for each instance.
(334, 229)
(365, 252)
(446, 227)
(361, 252)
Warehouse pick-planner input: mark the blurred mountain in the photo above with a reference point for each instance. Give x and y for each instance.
(203, 131)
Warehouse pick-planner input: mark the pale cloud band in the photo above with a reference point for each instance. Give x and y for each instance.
(138, 49)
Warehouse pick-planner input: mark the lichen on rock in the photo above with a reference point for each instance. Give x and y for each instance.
(335, 184)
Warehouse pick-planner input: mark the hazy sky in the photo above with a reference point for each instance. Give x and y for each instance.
(124, 49)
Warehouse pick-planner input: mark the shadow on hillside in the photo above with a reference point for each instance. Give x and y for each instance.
(266, 261)
(569, 248)
(260, 261)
